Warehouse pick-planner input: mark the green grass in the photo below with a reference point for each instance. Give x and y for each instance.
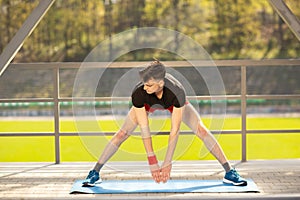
(88, 148)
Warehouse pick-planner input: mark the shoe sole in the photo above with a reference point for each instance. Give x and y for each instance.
(87, 184)
(234, 183)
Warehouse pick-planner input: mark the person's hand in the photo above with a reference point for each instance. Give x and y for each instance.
(155, 172)
(154, 167)
(165, 172)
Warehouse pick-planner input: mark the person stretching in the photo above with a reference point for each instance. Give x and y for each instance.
(160, 90)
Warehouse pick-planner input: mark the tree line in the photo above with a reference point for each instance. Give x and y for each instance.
(227, 29)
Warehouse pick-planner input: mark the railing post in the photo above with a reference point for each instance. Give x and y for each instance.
(244, 111)
(56, 113)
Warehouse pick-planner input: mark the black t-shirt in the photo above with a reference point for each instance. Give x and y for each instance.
(173, 95)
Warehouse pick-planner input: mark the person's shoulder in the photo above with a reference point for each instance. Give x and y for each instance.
(171, 81)
(138, 86)
(138, 89)
(138, 96)
(177, 90)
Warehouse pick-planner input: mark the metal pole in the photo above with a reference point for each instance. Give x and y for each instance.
(56, 114)
(244, 111)
(287, 16)
(26, 29)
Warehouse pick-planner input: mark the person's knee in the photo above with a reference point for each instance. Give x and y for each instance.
(202, 131)
(121, 135)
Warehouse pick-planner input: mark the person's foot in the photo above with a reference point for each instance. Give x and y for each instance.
(233, 177)
(92, 179)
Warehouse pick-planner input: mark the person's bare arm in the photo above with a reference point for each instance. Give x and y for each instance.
(142, 119)
(173, 138)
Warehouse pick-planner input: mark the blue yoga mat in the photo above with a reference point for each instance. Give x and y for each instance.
(172, 186)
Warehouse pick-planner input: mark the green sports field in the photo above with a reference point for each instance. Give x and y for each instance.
(88, 148)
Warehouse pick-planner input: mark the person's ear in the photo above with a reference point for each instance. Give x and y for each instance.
(161, 83)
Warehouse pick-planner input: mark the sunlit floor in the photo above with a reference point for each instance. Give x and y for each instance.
(274, 178)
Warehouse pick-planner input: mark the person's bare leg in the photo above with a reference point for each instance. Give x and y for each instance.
(192, 119)
(128, 127)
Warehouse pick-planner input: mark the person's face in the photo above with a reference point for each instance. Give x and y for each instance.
(153, 86)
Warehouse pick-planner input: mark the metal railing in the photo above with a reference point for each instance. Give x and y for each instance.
(243, 96)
